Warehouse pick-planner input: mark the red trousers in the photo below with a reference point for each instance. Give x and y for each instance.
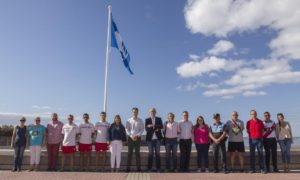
(52, 150)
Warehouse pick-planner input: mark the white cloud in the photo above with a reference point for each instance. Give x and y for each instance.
(227, 97)
(254, 93)
(40, 107)
(224, 18)
(230, 91)
(248, 79)
(220, 18)
(221, 47)
(266, 72)
(13, 117)
(194, 86)
(207, 65)
(287, 44)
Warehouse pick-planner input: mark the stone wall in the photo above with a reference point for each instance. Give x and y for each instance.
(6, 159)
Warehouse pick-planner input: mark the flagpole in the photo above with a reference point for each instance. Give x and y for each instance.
(108, 41)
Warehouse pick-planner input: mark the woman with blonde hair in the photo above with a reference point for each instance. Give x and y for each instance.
(285, 139)
(36, 138)
(18, 143)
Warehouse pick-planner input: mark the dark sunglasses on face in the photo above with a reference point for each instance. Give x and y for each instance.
(22, 120)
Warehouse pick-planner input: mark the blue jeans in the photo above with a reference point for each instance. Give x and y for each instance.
(285, 146)
(202, 154)
(256, 144)
(18, 156)
(153, 145)
(171, 146)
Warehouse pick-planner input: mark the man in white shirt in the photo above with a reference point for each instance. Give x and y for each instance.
(134, 131)
(270, 142)
(86, 131)
(101, 145)
(185, 142)
(70, 132)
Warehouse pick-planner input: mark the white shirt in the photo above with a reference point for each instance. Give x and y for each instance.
(153, 123)
(185, 128)
(70, 131)
(270, 126)
(86, 130)
(102, 131)
(135, 127)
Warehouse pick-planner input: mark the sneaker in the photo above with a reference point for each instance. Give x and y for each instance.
(216, 171)
(275, 170)
(263, 171)
(199, 170)
(252, 171)
(206, 170)
(14, 170)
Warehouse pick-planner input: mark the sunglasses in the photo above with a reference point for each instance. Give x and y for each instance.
(22, 120)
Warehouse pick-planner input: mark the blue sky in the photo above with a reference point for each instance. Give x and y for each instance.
(52, 58)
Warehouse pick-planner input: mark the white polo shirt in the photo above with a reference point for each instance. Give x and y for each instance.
(86, 130)
(102, 131)
(69, 131)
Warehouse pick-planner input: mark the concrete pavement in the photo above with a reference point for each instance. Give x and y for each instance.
(7, 175)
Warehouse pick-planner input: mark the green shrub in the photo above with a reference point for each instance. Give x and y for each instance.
(6, 130)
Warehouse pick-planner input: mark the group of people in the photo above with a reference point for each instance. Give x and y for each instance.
(263, 137)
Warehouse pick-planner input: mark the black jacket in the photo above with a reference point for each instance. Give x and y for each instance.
(158, 125)
(115, 133)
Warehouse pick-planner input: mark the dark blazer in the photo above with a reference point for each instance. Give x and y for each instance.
(150, 131)
(117, 134)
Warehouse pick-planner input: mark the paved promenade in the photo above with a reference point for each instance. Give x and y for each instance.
(7, 175)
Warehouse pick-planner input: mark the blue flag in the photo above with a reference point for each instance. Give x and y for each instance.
(117, 42)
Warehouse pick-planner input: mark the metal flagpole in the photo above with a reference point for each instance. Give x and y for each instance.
(108, 41)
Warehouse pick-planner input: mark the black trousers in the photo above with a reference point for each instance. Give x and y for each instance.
(134, 145)
(185, 146)
(216, 148)
(270, 146)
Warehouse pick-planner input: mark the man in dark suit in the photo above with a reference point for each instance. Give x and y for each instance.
(153, 126)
